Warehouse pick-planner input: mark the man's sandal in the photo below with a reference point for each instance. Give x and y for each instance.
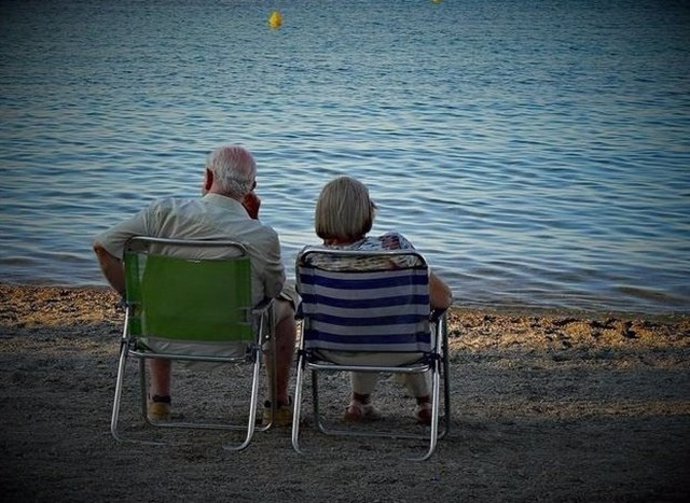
(423, 413)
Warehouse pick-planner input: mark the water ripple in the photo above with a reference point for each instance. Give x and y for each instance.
(535, 163)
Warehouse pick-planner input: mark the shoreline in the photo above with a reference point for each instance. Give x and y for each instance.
(39, 305)
(545, 407)
(496, 309)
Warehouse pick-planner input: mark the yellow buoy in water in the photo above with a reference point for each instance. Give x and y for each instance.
(276, 20)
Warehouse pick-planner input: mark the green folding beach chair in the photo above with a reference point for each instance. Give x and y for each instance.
(197, 310)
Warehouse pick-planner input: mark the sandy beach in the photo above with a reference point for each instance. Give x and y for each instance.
(545, 407)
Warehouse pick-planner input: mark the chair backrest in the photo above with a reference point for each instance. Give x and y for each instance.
(364, 301)
(188, 299)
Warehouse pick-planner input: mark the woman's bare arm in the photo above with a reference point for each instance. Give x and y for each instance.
(440, 295)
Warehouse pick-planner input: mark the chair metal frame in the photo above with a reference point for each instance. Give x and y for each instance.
(130, 343)
(435, 360)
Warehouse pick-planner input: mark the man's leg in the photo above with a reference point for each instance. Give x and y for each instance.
(285, 336)
(160, 377)
(159, 389)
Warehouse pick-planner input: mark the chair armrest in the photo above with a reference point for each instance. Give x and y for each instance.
(262, 306)
(299, 313)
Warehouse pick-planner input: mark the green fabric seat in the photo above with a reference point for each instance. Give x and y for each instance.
(169, 296)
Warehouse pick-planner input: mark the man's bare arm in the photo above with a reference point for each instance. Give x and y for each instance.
(112, 268)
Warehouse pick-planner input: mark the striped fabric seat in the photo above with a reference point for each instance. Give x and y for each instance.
(380, 310)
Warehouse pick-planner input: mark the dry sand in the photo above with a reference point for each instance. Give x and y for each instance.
(545, 407)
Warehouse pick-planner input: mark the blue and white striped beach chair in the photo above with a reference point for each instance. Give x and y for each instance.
(369, 302)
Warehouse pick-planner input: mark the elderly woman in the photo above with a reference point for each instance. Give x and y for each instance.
(343, 218)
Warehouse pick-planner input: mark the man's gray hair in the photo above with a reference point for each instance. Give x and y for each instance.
(234, 169)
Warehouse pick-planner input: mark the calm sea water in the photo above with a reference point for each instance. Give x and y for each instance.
(537, 152)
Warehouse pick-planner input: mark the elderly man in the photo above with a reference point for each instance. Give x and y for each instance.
(228, 210)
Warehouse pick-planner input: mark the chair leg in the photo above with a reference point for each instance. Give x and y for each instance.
(117, 400)
(435, 412)
(253, 405)
(297, 405)
(272, 373)
(446, 396)
(440, 376)
(446, 374)
(143, 392)
(315, 401)
(117, 403)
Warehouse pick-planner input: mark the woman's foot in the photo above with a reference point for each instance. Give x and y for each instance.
(358, 411)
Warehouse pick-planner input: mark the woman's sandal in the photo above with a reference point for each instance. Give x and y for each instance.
(358, 411)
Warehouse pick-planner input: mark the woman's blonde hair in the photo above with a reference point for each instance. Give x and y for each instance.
(344, 210)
